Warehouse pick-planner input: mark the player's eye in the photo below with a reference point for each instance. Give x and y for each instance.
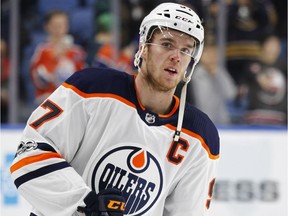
(167, 45)
(187, 51)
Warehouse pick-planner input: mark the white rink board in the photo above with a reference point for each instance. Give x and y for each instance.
(252, 177)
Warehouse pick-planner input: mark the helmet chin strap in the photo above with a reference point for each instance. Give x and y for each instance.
(182, 104)
(138, 57)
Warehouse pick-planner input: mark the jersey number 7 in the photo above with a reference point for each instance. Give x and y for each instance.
(53, 112)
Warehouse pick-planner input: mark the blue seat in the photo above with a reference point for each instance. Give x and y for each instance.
(47, 5)
(90, 3)
(82, 23)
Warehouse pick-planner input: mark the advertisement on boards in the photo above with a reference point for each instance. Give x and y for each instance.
(252, 176)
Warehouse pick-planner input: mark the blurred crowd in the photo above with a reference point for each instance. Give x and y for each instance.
(58, 38)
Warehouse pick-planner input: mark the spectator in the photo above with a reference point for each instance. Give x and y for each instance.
(249, 23)
(267, 87)
(5, 66)
(272, 53)
(216, 84)
(102, 36)
(57, 58)
(124, 60)
(267, 96)
(248, 26)
(101, 52)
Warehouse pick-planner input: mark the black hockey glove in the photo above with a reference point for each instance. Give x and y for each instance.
(109, 202)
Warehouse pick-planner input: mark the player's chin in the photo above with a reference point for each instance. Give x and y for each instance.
(168, 86)
(171, 83)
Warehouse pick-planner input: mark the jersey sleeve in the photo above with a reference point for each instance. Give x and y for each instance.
(192, 195)
(41, 169)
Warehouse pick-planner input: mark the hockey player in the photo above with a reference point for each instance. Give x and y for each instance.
(108, 143)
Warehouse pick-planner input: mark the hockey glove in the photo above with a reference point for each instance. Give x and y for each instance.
(109, 202)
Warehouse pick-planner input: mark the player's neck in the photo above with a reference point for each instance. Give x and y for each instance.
(156, 101)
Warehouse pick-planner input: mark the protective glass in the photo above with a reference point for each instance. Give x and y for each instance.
(168, 41)
(168, 47)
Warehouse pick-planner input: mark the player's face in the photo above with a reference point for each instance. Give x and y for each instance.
(165, 58)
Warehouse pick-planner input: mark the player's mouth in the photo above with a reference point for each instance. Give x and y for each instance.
(171, 70)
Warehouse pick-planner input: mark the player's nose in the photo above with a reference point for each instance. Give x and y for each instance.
(175, 55)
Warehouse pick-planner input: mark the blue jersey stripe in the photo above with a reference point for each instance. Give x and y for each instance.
(46, 147)
(40, 172)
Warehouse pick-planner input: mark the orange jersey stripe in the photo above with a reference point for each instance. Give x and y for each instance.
(205, 146)
(103, 95)
(176, 105)
(33, 159)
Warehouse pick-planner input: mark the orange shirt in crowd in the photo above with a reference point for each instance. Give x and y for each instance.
(51, 66)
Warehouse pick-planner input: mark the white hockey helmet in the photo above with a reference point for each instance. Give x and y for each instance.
(178, 17)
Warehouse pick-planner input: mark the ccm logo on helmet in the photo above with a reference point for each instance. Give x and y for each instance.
(184, 19)
(116, 205)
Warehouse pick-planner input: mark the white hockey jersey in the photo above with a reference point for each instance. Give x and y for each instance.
(93, 133)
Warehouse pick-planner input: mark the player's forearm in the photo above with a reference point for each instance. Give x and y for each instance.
(60, 201)
(46, 180)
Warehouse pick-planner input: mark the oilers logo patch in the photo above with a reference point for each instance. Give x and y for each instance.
(134, 171)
